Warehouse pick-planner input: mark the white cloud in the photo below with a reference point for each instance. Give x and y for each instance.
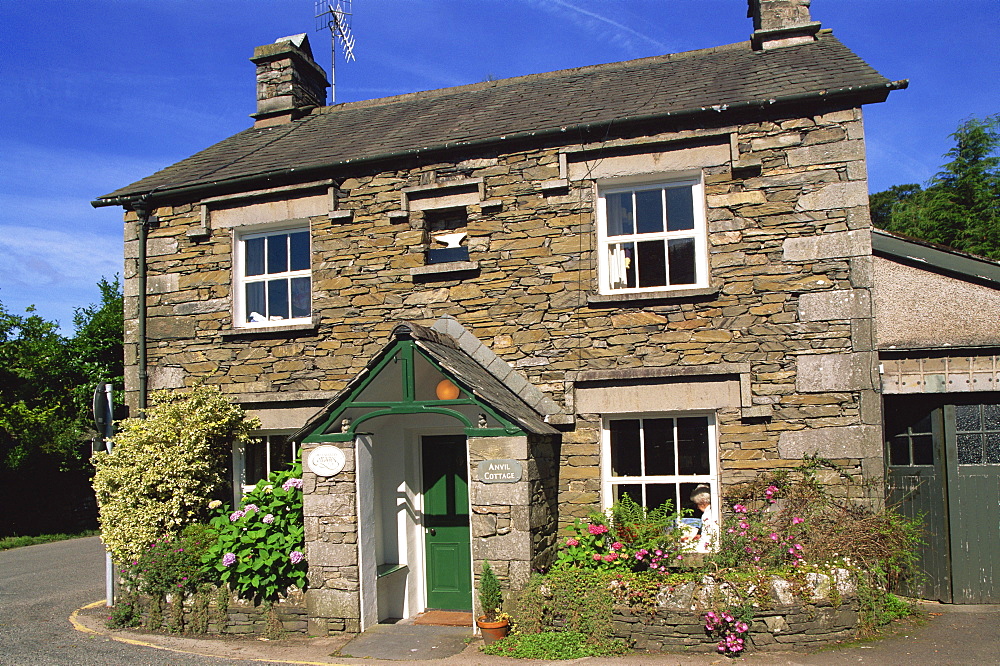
(619, 34)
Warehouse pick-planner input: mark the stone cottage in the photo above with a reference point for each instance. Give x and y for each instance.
(479, 312)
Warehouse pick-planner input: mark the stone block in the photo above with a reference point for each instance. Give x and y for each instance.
(512, 546)
(835, 195)
(826, 153)
(832, 305)
(834, 372)
(860, 441)
(324, 506)
(486, 494)
(488, 448)
(828, 246)
(332, 604)
(202, 307)
(323, 553)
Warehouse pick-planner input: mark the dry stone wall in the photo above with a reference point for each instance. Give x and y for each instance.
(790, 263)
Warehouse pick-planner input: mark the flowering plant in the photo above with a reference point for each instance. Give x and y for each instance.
(171, 564)
(259, 546)
(633, 539)
(759, 534)
(730, 630)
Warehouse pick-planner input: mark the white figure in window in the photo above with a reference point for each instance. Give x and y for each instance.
(702, 498)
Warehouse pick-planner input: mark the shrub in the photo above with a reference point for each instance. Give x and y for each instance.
(490, 597)
(569, 599)
(165, 467)
(172, 565)
(554, 645)
(258, 548)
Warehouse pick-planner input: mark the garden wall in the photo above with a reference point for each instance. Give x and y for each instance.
(238, 616)
(816, 611)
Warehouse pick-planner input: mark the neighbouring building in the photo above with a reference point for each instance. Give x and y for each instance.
(493, 308)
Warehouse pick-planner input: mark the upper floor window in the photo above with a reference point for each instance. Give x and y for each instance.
(274, 278)
(652, 237)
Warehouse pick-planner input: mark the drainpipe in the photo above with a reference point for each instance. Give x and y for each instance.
(141, 208)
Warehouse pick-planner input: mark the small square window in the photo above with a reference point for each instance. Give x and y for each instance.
(446, 231)
(652, 237)
(273, 278)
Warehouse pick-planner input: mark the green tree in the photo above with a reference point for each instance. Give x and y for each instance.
(960, 207)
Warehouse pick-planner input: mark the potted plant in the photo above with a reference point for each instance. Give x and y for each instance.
(493, 623)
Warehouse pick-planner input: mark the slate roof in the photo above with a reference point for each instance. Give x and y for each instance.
(934, 257)
(505, 396)
(598, 97)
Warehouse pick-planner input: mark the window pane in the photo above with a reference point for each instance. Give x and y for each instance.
(991, 417)
(277, 253)
(277, 299)
(692, 446)
(301, 305)
(281, 453)
(254, 260)
(254, 461)
(923, 450)
(299, 250)
(967, 418)
(922, 424)
(621, 265)
(685, 499)
(649, 211)
(625, 459)
(899, 450)
(657, 494)
(991, 450)
(682, 270)
(619, 209)
(970, 450)
(680, 209)
(256, 307)
(659, 441)
(633, 490)
(652, 264)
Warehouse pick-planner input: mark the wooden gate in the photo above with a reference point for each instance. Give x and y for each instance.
(943, 465)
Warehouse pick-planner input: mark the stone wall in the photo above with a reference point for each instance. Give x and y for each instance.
(241, 616)
(823, 611)
(791, 272)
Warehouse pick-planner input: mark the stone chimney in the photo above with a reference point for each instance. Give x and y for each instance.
(778, 23)
(289, 82)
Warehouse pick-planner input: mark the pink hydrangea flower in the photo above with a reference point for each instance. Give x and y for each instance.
(572, 542)
(610, 557)
(229, 559)
(269, 518)
(597, 529)
(292, 483)
(296, 557)
(236, 515)
(617, 545)
(597, 557)
(251, 507)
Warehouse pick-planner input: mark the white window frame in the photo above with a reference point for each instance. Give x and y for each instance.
(240, 485)
(711, 479)
(699, 233)
(240, 280)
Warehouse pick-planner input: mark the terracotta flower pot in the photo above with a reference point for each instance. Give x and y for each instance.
(492, 631)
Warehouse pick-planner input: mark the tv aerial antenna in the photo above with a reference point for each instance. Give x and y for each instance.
(335, 16)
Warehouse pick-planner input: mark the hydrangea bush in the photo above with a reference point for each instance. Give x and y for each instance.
(259, 545)
(165, 467)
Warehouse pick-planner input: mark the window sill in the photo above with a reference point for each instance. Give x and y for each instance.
(309, 328)
(664, 294)
(434, 270)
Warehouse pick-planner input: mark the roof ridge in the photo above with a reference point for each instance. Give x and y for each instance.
(515, 80)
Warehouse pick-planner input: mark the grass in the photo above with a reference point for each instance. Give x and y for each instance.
(6, 543)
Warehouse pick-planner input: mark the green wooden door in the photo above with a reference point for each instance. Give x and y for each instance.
(446, 522)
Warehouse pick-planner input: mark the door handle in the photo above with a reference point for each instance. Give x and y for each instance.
(432, 531)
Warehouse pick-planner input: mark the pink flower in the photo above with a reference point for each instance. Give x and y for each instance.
(744, 525)
(572, 542)
(251, 507)
(610, 557)
(617, 545)
(292, 483)
(774, 536)
(269, 518)
(597, 557)
(236, 515)
(597, 529)
(796, 520)
(739, 508)
(296, 557)
(229, 559)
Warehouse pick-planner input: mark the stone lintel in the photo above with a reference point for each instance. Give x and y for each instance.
(626, 374)
(857, 441)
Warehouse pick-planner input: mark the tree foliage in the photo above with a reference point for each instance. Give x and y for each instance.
(46, 380)
(960, 206)
(164, 469)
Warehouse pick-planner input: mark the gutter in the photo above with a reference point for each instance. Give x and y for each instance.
(196, 191)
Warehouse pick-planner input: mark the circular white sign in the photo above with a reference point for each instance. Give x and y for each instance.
(326, 460)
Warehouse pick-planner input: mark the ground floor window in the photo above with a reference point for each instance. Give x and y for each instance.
(656, 459)
(256, 459)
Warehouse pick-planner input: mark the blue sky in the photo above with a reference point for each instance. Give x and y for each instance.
(99, 93)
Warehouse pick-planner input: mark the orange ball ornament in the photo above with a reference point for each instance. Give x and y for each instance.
(446, 390)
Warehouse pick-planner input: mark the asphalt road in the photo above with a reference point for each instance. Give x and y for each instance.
(40, 586)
